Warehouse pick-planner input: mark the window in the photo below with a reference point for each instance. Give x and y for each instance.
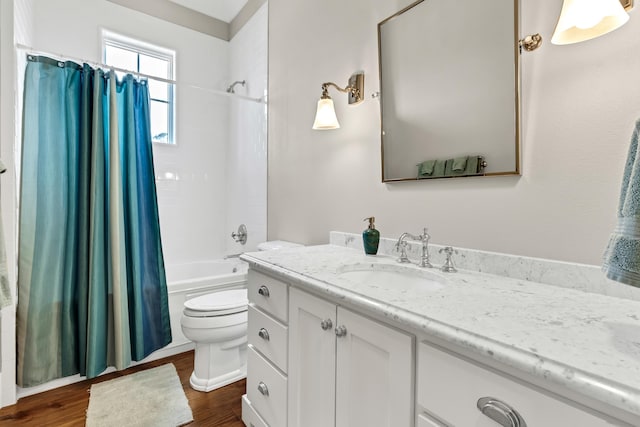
(129, 54)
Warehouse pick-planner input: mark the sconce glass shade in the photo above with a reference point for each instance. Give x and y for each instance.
(325, 115)
(582, 20)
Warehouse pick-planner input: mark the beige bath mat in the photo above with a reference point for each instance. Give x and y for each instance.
(153, 397)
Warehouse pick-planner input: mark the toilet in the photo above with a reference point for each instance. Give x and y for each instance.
(217, 324)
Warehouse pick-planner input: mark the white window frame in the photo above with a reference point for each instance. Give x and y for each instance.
(110, 38)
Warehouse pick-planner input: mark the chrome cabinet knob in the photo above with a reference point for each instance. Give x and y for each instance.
(264, 334)
(264, 291)
(341, 331)
(500, 412)
(326, 324)
(263, 389)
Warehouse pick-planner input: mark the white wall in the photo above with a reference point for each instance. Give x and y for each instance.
(247, 153)
(579, 105)
(192, 173)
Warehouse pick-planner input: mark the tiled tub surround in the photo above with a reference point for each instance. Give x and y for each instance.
(583, 345)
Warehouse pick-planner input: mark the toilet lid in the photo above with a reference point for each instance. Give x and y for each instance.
(217, 302)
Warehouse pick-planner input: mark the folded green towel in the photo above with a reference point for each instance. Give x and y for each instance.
(622, 256)
(451, 167)
(472, 165)
(448, 171)
(459, 164)
(426, 168)
(438, 169)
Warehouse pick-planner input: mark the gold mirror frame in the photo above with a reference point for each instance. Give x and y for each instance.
(478, 40)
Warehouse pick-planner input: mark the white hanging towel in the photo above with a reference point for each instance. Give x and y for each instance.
(5, 290)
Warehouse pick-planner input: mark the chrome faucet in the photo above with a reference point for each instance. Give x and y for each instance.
(424, 260)
(401, 246)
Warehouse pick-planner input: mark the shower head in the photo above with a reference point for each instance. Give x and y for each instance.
(237, 82)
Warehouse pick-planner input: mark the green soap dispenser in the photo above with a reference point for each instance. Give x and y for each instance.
(371, 237)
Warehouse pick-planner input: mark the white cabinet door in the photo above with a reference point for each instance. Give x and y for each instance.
(311, 361)
(374, 374)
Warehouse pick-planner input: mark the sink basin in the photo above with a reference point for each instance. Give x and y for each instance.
(391, 276)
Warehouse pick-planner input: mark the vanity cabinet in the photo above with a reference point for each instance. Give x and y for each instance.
(451, 392)
(345, 369)
(312, 362)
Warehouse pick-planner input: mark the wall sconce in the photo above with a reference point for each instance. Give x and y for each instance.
(326, 113)
(582, 20)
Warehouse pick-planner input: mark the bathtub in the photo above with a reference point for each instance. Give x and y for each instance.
(186, 281)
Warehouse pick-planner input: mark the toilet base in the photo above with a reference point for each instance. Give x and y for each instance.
(220, 381)
(218, 364)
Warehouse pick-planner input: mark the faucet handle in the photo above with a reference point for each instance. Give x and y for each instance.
(401, 247)
(425, 235)
(448, 266)
(448, 250)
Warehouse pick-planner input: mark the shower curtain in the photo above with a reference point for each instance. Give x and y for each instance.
(91, 282)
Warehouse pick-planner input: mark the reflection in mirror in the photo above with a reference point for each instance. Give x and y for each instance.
(449, 90)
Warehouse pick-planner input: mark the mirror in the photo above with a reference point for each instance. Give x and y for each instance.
(449, 90)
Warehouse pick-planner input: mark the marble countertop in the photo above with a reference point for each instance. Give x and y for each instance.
(587, 343)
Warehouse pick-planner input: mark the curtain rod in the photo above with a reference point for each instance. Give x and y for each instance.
(29, 49)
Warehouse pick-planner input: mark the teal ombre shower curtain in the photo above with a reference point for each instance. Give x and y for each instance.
(91, 282)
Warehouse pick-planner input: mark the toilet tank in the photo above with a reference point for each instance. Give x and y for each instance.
(277, 244)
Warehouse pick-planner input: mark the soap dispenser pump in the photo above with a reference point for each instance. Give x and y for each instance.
(371, 237)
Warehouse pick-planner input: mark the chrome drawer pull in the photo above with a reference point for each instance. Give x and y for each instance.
(500, 412)
(326, 324)
(264, 291)
(263, 389)
(341, 331)
(264, 334)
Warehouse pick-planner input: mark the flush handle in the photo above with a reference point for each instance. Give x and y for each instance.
(500, 412)
(263, 389)
(341, 331)
(264, 334)
(326, 324)
(264, 291)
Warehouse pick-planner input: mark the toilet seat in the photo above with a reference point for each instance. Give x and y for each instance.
(217, 304)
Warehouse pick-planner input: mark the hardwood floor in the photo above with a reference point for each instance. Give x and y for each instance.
(67, 406)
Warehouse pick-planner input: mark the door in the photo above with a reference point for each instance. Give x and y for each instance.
(374, 374)
(312, 349)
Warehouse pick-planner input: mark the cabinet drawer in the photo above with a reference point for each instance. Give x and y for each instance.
(266, 389)
(250, 416)
(449, 388)
(270, 294)
(268, 336)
